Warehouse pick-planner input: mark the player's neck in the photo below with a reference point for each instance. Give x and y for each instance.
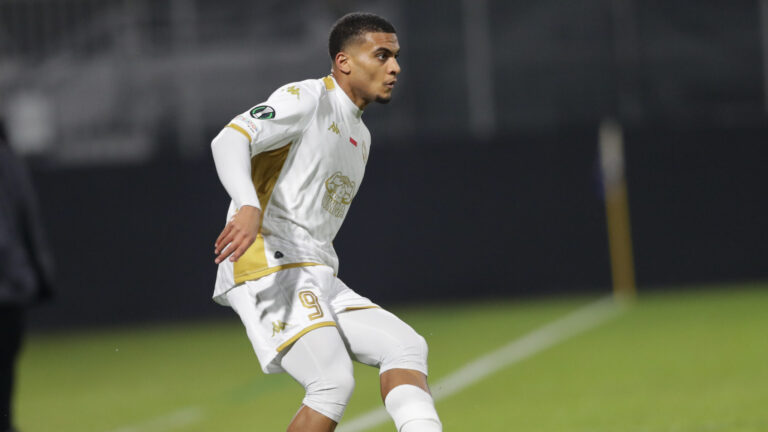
(349, 90)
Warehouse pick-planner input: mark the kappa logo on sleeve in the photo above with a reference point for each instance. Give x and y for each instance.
(294, 91)
(263, 112)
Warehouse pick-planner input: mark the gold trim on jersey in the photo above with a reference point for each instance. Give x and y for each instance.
(241, 130)
(265, 169)
(328, 83)
(264, 270)
(288, 343)
(354, 308)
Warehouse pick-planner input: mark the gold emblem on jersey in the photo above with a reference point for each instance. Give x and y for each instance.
(338, 194)
(278, 326)
(333, 128)
(294, 91)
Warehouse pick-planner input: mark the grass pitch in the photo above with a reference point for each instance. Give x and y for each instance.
(693, 360)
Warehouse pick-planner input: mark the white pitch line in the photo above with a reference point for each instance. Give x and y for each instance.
(167, 422)
(540, 339)
(551, 334)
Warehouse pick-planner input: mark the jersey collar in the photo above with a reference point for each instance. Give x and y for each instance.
(347, 104)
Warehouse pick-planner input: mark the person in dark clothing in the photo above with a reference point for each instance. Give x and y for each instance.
(26, 266)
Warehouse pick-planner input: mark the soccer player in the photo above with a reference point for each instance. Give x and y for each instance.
(292, 166)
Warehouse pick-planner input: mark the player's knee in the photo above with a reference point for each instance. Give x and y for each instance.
(330, 393)
(417, 346)
(409, 353)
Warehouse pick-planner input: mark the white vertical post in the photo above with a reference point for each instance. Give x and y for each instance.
(611, 148)
(479, 68)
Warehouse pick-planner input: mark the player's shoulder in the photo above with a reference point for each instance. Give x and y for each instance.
(309, 90)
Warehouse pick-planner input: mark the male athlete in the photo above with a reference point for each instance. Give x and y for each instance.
(292, 166)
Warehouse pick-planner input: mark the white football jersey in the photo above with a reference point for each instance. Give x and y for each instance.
(309, 148)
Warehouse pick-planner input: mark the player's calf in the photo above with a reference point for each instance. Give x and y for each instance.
(412, 409)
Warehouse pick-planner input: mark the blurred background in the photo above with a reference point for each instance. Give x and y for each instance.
(484, 180)
(481, 219)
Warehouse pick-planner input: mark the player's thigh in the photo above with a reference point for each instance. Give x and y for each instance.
(279, 309)
(320, 363)
(319, 355)
(378, 338)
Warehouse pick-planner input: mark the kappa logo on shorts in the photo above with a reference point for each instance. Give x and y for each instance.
(278, 326)
(263, 112)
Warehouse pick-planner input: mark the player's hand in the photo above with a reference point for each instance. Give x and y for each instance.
(238, 235)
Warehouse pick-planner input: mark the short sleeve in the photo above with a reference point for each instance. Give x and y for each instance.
(281, 118)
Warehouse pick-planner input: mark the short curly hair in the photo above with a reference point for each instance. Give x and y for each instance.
(354, 25)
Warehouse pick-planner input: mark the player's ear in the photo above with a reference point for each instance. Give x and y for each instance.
(342, 61)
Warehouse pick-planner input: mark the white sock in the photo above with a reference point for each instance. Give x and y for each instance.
(412, 409)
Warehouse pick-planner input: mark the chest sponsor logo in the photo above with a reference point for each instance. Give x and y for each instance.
(263, 112)
(352, 140)
(338, 194)
(334, 128)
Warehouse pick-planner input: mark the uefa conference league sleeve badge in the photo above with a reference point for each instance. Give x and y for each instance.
(263, 112)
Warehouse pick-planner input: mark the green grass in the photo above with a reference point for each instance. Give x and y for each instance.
(693, 360)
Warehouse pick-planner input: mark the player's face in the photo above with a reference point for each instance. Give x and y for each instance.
(374, 67)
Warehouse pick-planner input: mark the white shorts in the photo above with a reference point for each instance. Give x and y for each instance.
(280, 308)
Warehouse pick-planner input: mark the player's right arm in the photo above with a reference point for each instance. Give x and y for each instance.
(265, 127)
(231, 155)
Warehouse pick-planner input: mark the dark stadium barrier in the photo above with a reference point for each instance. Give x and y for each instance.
(435, 220)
